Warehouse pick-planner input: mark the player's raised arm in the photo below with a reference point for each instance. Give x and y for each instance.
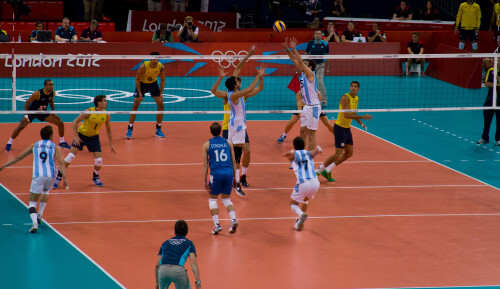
(236, 72)
(301, 65)
(237, 94)
(257, 89)
(346, 104)
(19, 157)
(291, 55)
(138, 77)
(215, 91)
(205, 166)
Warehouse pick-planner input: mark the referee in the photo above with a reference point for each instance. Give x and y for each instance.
(317, 46)
(171, 258)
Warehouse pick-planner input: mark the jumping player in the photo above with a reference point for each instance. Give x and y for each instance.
(88, 135)
(39, 100)
(218, 153)
(307, 182)
(44, 172)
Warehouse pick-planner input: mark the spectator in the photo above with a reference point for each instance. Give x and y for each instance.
(403, 12)
(330, 34)
(495, 21)
(163, 34)
(154, 5)
(312, 13)
(376, 35)
(188, 32)
(349, 34)
(468, 22)
(172, 257)
(89, 9)
(65, 33)
(179, 5)
(38, 27)
(338, 8)
(415, 47)
(319, 47)
(430, 13)
(92, 33)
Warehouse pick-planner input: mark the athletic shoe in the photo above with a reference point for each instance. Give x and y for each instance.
(498, 143)
(39, 219)
(243, 181)
(238, 190)
(97, 182)
(56, 183)
(317, 172)
(129, 133)
(328, 176)
(217, 229)
(299, 225)
(34, 228)
(324, 104)
(234, 226)
(281, 139)
(159, 133)
(481, 141)
(64, 145)
(8, 147)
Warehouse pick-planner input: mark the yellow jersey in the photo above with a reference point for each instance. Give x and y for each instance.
(469, 16)
(341, 120)
(497, 13)
(151, 72)
(91, 125)
(225, 122)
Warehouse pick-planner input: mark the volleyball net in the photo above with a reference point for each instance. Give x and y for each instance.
(450, 82)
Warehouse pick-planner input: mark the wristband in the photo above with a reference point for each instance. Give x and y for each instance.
(198, 281)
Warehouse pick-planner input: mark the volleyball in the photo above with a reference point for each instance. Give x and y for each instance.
(279, 26)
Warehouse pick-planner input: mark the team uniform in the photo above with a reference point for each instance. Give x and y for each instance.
(342, 126)
(40, 104)
(237, 133)
(174, 252)
(225, 124)
(312, 109)
(307, 182)
(44, 168)
(221, 166)
(89, 132)
(148, 81)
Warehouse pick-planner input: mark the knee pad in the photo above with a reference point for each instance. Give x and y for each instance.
(237, 154)
(474, 45)
(212, 203)
(461, 45)
(32, 210)
(69, 158)
(98, 162)
(227, 202)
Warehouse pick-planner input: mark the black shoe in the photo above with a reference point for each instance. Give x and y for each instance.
(243, 181)
(238, 190)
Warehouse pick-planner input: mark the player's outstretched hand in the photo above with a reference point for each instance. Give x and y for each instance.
(261, 71)
(77, 140)
(364, 126)
(252, 50)
(285, 44)
(293, 43)
(113, 149)
(367, 116)
(222, 73)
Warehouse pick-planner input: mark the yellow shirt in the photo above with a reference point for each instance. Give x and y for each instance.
(92, 124)
(341, 120)
(225, 122)
(469, 16)
(151, 73)
(497, 13)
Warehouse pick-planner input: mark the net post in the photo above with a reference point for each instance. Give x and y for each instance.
(14, 80)
(495, 73)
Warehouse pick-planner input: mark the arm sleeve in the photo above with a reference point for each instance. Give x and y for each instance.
(478, 18)
(160, 252)
(459, 16)
(58, 32)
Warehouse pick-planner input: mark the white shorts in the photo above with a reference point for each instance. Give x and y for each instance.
(237, 136)
(305, 190)
(310, 116)
(42, 185)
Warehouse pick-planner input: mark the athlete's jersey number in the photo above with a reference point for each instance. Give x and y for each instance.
(43, 156)
(220, 157)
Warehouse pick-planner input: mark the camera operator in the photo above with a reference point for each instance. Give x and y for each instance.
(188, 32)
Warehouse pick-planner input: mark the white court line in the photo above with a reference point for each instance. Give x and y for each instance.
(69, 242)
(59, 192)
(284, 218)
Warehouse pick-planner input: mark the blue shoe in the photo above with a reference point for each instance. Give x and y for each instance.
(129, 133)
(97, 182)
(8, 147)
(159, 133)
(281, 139)
(64, 145)
(56, 183)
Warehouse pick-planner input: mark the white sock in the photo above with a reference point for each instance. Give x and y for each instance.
(11, 140)
(42, 207)
(61, 139)
(237, 175)
(216, 219)
(33, 217)
(321, 168)
(330, 167)
(297, 210)
(232, 215)
(284, 134)
(244, 170)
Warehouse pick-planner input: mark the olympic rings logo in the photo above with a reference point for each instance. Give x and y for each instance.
(176, 242)
(230, 61)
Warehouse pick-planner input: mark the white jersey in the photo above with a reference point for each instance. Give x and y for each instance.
(309, 90)
(43, 159)
(238, 112)
(303, 166)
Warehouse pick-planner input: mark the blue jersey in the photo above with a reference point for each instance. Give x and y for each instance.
(219, 154)
(303, 166)
(43, 159)
(176, 250)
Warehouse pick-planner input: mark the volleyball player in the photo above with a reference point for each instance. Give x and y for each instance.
(237, 134)
(40, 100)
(146, 81)
(342, 131)
(307, 182)
(44, 172)
(218, 153)
(88, 135)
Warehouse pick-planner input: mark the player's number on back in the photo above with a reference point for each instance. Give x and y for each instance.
(43, 156)
(220, 157)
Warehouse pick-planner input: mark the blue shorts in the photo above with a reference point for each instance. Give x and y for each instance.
(343, 136)
(91, 142)
(152, 88)
(225, 134)
(221, 182)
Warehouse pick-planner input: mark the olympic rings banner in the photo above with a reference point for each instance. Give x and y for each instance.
(86, 67)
